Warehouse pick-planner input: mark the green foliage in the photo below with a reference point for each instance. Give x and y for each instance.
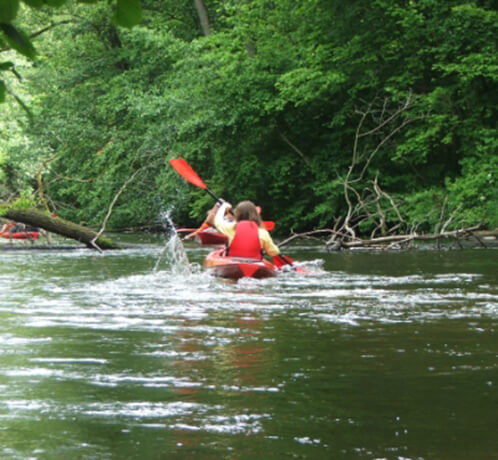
(265, 108)
(423, 209)
(476, 191)
(128, 13)
(24, 201)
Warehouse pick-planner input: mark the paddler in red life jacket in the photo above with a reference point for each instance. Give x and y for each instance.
(12, 227)
(246, 235)
(6, 228)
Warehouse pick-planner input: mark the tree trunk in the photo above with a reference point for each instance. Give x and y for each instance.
(202, 13)
(42, 219)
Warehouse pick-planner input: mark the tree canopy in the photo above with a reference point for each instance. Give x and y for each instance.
(319, 111)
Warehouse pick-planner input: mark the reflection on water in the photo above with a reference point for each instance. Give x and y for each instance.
(135, 354)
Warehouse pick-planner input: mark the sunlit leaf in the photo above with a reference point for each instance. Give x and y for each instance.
(128, 13)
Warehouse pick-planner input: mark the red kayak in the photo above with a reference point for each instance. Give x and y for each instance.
(210, 236)
(28, 235)
(238, 267)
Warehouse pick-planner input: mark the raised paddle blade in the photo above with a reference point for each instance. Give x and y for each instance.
(186, 171)
(269, 224)
(181, 166)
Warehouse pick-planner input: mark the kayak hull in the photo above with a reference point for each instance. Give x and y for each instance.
(20, 235)
(210, 237)
(238, 267)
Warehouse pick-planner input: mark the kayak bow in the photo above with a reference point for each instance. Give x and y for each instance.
(238, 267)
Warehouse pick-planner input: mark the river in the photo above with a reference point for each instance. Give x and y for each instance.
(134, 354)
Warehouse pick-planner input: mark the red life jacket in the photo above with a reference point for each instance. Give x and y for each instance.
(246, 242)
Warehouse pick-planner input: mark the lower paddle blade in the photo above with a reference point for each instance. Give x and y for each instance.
(186, 171)
(281, 260)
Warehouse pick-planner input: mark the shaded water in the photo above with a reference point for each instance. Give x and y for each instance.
(131, 355)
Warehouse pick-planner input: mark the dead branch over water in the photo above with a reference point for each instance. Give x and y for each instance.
(336, 240)
(368, 205)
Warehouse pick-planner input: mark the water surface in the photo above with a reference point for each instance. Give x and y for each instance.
(132, 354)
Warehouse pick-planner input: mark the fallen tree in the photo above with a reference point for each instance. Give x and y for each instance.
(45, 220)
(49, 221)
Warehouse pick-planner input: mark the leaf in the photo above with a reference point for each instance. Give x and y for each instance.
(55, 3)
(2, 91)
(18, 40)
(24, 106)
(128, 13)
(34, 3)
(8, 65)
(8, 10)
(40, 3)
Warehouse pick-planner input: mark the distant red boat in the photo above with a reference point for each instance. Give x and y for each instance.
(210, 236)
(21, 235)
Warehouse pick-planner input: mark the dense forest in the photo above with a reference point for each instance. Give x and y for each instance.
(370, 116)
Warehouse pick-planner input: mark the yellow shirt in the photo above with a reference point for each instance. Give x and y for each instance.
(227, 227)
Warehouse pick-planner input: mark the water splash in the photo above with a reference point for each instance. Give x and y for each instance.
(173, 252)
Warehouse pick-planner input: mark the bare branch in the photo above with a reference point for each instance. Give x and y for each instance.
(111, 206)
(407, 104)
(39, 191)
(293, 147)
(367, 201)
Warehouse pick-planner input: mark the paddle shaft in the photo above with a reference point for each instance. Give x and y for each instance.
(218, 200)
(213, 195)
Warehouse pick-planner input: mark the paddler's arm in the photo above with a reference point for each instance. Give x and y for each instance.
(8, 227)
(212, 214)
(267, 243)
(217, 216)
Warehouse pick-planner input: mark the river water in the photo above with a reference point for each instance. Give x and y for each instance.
(134, 354)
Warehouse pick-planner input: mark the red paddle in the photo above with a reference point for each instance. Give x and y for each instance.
(196, 231)
(186, 171)
(181, 166)
(185, 230)
(282, 260)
